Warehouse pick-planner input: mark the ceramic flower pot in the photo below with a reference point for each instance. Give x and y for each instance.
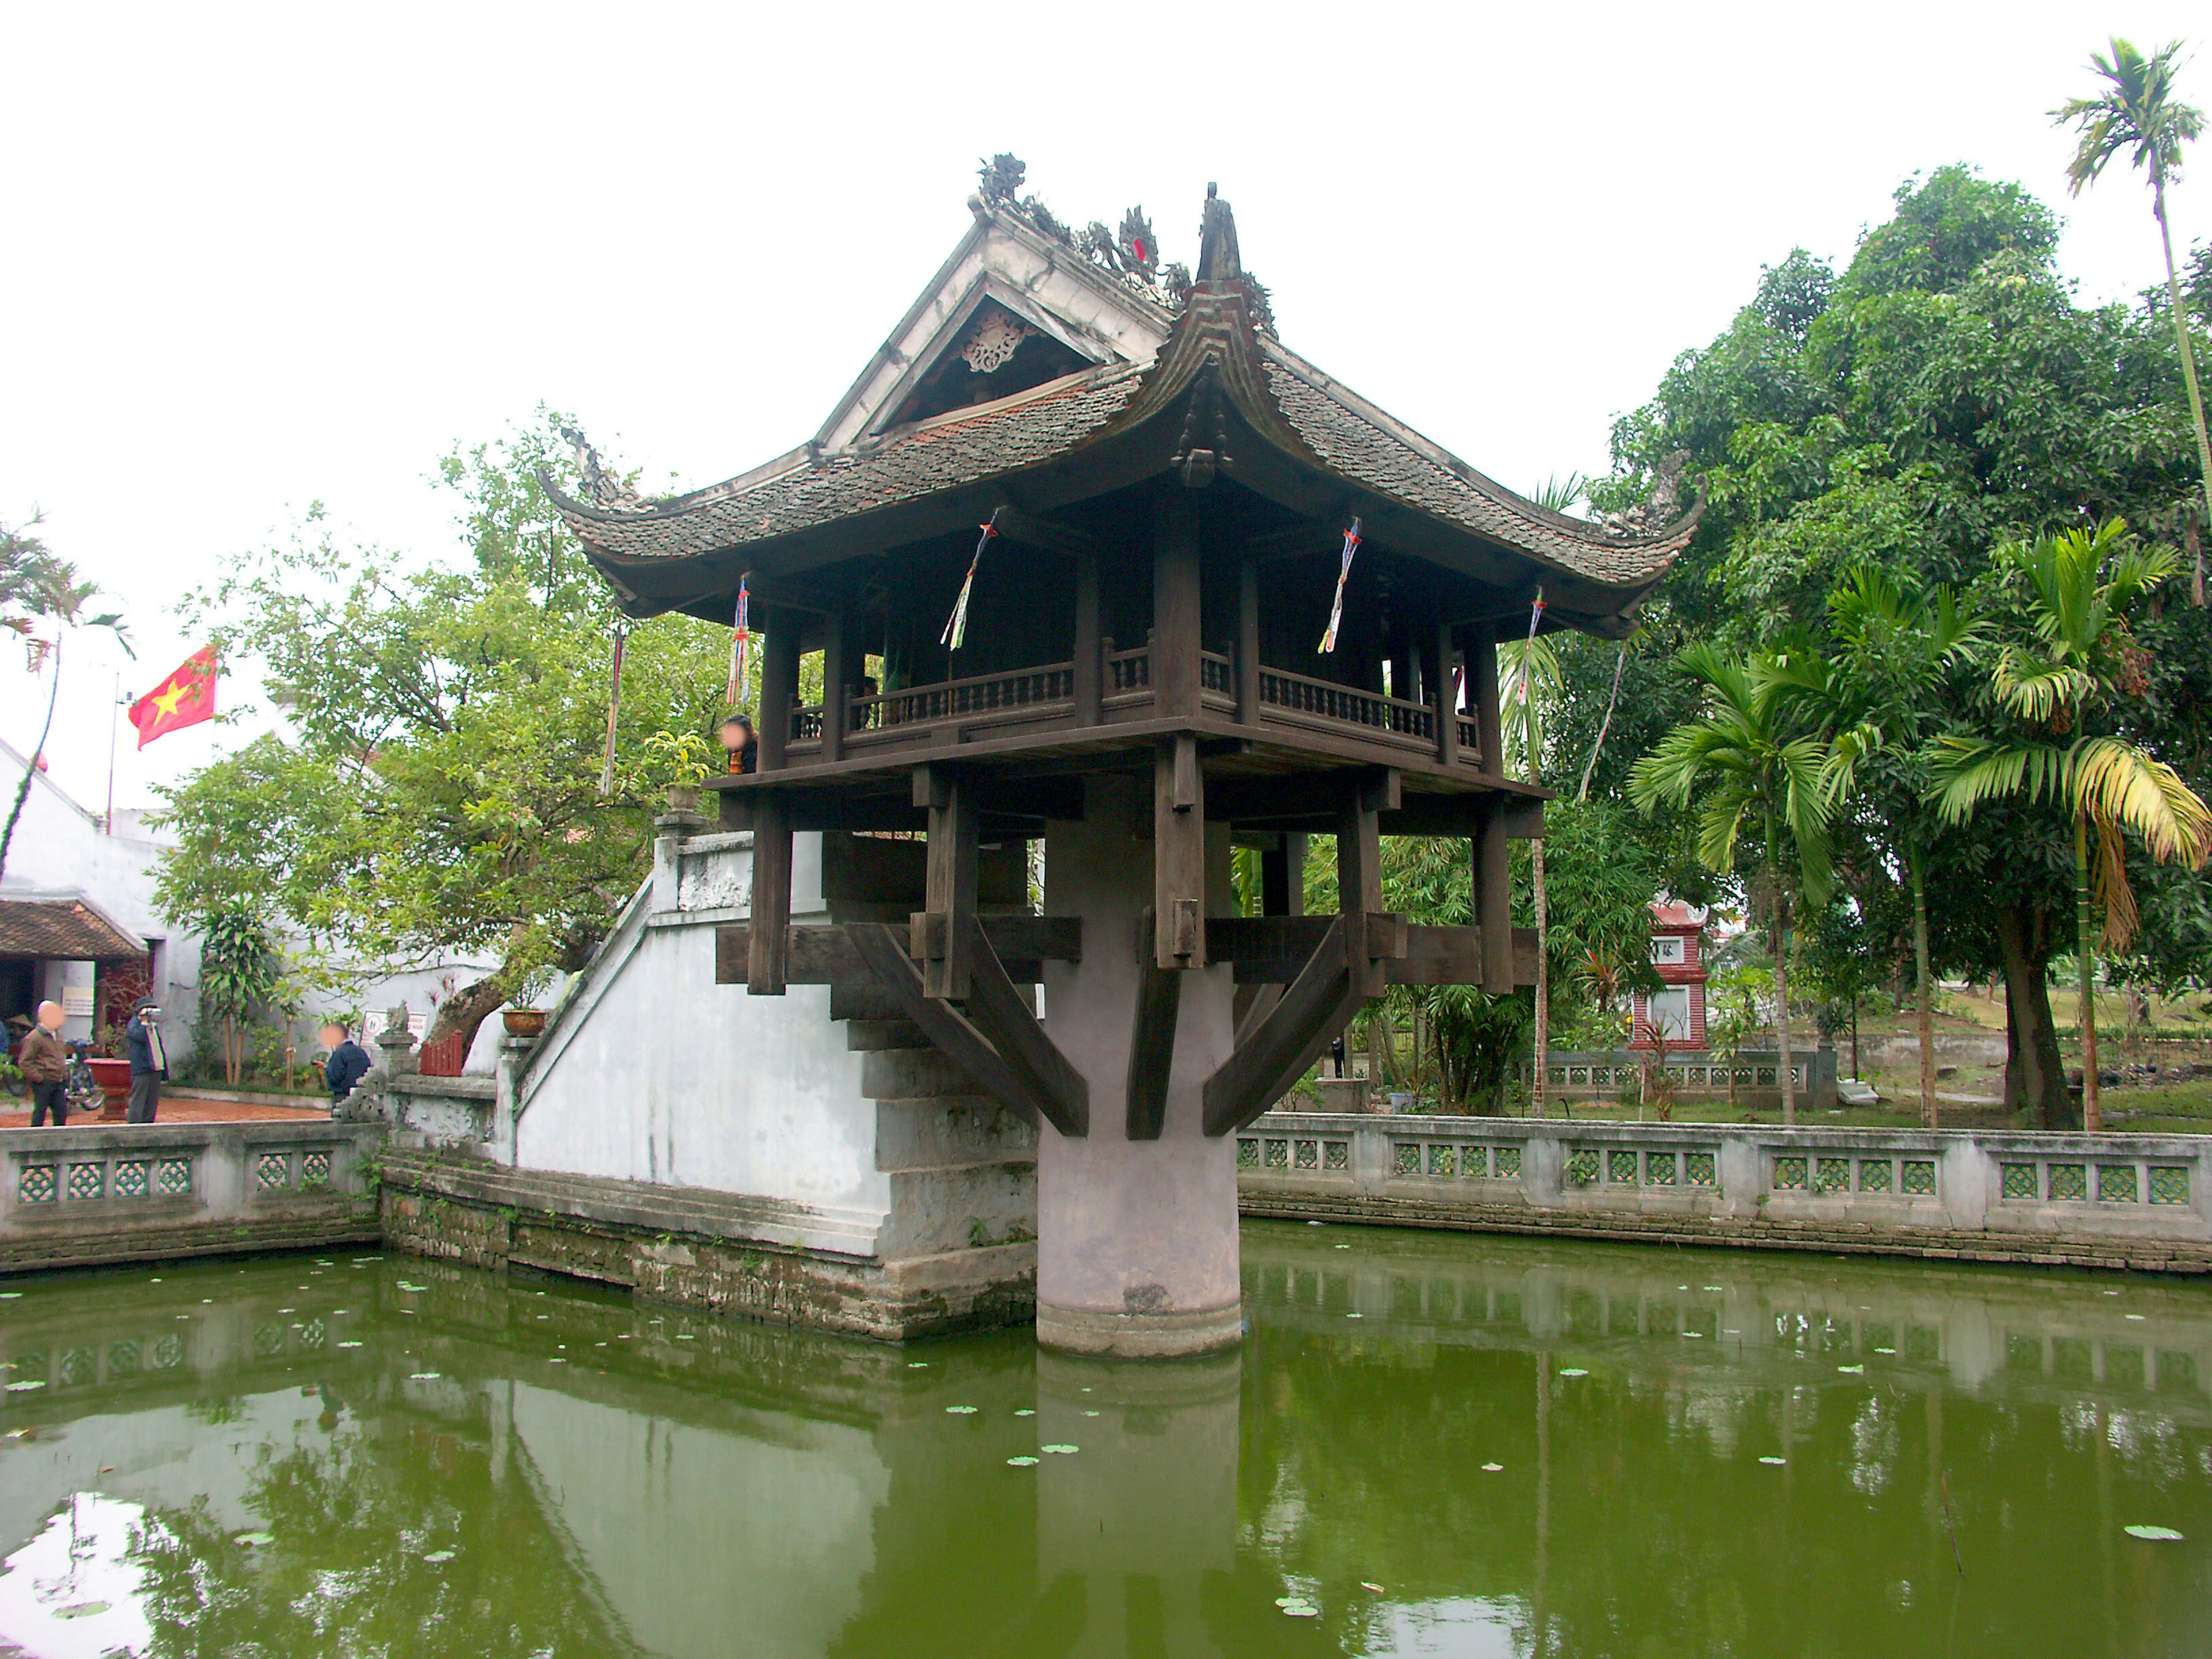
(113, 1076)
(524, 1022)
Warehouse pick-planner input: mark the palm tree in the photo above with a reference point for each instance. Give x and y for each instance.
(2138, 114)
(2081, 583)
(1529, 672)
(1893, 654)
(1756, 762)
(38, 590)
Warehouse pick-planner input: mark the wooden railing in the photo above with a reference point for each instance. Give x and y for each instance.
(1323, 706)
(1128, 670)
(1125, 684)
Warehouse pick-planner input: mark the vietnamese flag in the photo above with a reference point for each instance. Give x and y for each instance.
(185, 698)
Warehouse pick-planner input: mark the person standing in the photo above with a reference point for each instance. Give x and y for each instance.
(348, 1064)
(45, 1066)
(742, 742)
(149, 1063)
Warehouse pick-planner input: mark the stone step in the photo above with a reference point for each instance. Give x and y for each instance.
(910, 1074)
(863, 1034)
(971, 1208)
(948, 1131)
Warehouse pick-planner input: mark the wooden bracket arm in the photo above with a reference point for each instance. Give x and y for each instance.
(1006, 1018)
(943, 1025)
(1152, 1047)
(1320, 1003)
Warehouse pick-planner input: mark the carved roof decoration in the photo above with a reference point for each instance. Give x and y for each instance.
(1201, 387)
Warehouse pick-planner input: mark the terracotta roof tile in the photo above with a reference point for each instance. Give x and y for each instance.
(58, 929)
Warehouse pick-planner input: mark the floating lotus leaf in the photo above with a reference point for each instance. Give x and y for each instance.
(2156, 1534)
(1021, 1462)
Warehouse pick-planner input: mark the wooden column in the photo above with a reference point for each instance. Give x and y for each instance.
(1282, 876)
(779, 684)
(1405, 660)
(1089, 647)
(1447, 697)
(1248, 642)
(1493, 896)
(1175, 600)
(768, 943)
(1359, 880)
(1178, 854)
(836, 685)
(1482, 691)
(942, 938)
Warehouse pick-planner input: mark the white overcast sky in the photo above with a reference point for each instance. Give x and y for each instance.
(259, 258)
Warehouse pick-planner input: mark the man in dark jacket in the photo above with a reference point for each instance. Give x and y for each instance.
(348, 1064)
(149, 1062)
(45, 1066)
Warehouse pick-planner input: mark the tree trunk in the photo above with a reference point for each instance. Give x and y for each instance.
(2035, 1073)
(1781, 1066)
(1540, 1072)
(2188, 379)
(1604, 726)
(466, 1009)
(1926, 987)
(23, 789)
(2086, 958)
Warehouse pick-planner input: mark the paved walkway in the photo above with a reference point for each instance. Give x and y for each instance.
(177, 1108)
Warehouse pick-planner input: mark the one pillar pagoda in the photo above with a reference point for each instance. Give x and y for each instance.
(1149, 514)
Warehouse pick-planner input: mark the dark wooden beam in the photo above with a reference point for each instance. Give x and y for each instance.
(943, 1025)
(1493, 896)
(823, 955)
(1359, 881)
(944, 925)
(766, 964)
(1282, 876)
(836, 688)
(1482, 691)
(1175, 602)
(1178, 855)
(1066, 539)
(1447, 698)
(1300, 794)
(779, 685)
(1007, 1018)
(1090, 662)
(1152, 1049)
(1320, 1003)
(1248, 642)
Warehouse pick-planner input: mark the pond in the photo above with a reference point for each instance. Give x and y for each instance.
(1429, 1443)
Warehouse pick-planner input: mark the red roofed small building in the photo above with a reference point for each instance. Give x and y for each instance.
(1678, 936)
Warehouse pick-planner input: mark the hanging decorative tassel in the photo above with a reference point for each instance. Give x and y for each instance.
(613, 711)
(1535, 615)
(956, 626)
(1343, 573)
(741, 645)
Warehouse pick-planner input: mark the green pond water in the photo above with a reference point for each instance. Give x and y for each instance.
(1429, 1443)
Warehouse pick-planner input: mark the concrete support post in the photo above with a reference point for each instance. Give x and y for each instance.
(1136, 1239)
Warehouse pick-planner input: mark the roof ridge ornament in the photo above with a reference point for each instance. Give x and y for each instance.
(601, 488)
(1218, 259)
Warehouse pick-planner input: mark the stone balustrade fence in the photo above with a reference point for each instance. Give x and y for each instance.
(2094, 1201)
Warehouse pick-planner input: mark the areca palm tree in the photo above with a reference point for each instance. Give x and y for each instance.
(1758, 764)
(1894, 653)
(2138, 115)
(2082, 658)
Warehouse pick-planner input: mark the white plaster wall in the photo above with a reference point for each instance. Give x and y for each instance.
(654, 1072)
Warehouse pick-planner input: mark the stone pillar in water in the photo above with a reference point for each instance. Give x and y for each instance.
(1136, 1240)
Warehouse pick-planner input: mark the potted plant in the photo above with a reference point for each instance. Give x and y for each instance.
(683, 757)
(524, 1022)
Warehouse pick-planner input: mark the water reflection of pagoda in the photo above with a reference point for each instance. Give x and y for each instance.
(1065, 552)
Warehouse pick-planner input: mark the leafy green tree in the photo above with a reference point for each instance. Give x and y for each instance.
(1757, 767)
(440, 795)
(41, 600)
(241, 972)
(1893, 658)
(2137, 113)
(2080, 659)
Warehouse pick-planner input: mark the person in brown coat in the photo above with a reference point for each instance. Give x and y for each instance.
(45, 1066)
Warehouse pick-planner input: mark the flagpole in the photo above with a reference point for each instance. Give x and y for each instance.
(109, 823)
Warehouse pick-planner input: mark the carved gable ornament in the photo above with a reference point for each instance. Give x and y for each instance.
(995, 338)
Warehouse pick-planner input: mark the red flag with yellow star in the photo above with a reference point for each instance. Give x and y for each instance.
(185, 698)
